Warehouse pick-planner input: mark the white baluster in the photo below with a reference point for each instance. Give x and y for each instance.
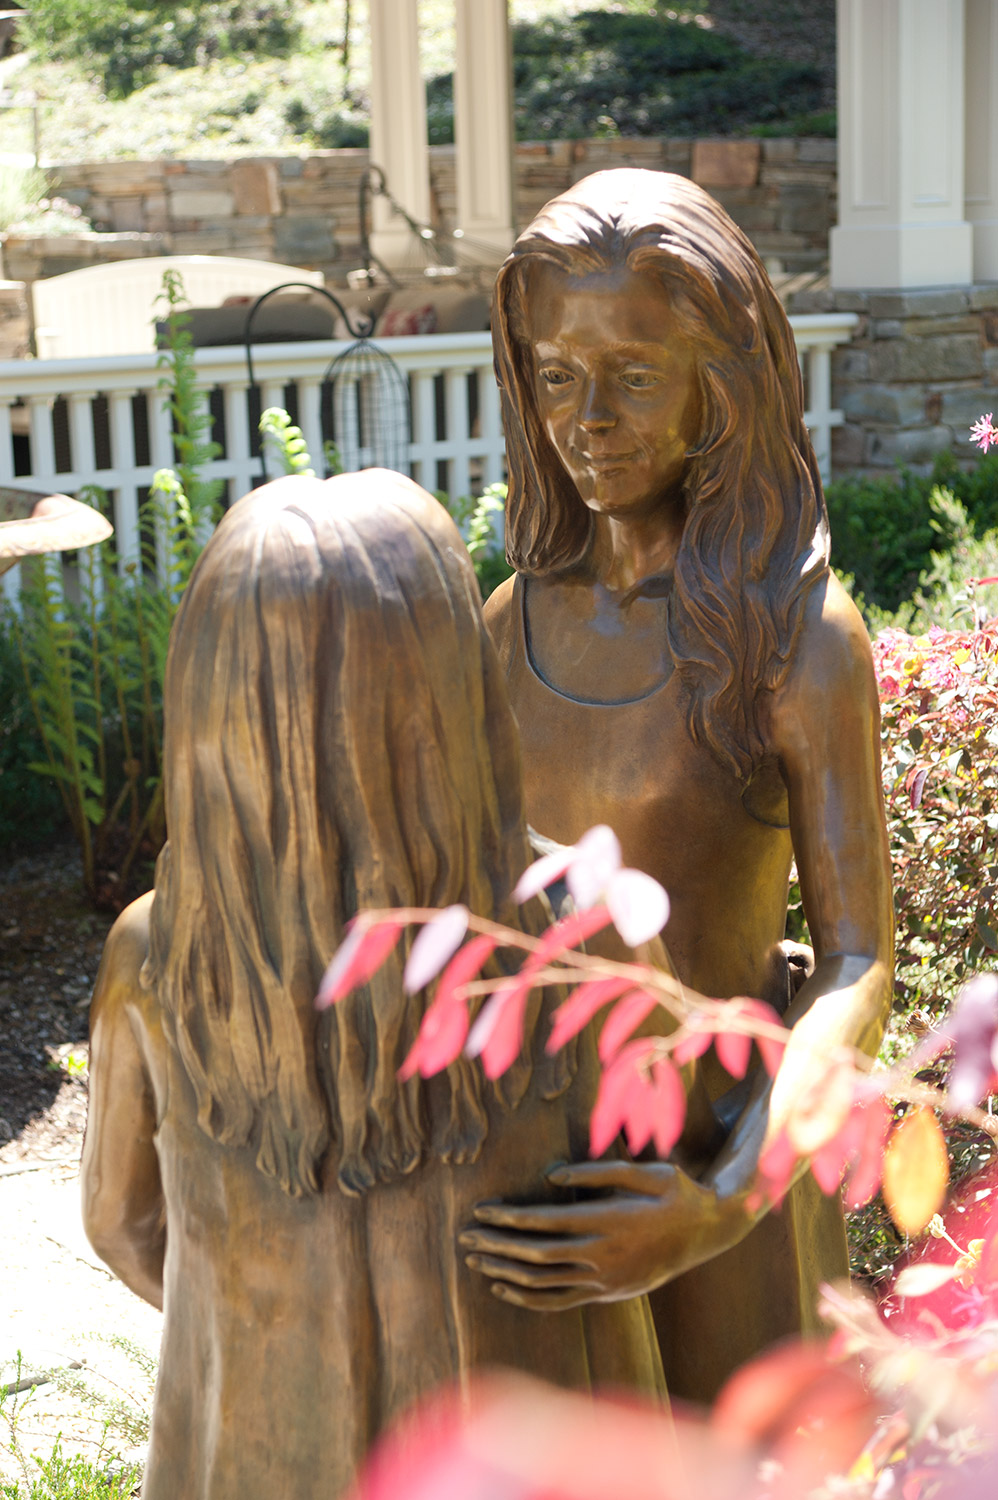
(424, 429)
(346, 423)
(42, 440)
(161, 457)
(458, 435)
(493, 447)
(820, 405)
(81, 435)
(6, 441)
(310, 420)
(126, 497)
(245, 468)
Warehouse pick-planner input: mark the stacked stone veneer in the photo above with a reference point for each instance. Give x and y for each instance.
(920, 368)
(302, 210)
(15, 328)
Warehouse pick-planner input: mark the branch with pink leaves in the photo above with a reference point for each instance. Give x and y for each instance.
(843, 1125)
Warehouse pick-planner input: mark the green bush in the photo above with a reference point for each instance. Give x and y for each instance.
(313, 122)
(124, 43)
(885, 531)
(606, 73)
(30, 807)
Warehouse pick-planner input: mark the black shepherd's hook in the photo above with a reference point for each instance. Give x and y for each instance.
(363, 330)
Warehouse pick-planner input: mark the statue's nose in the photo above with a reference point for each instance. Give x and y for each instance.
(597, 409)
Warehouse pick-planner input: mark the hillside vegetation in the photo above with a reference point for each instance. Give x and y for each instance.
(117, 79)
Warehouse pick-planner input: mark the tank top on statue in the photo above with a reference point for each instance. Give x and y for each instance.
(633, 764)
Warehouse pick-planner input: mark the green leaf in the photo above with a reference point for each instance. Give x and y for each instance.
(986, 932)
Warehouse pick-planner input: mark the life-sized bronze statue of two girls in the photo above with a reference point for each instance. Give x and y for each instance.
(674, 658)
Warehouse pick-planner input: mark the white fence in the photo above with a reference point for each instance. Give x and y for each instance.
(72, 422)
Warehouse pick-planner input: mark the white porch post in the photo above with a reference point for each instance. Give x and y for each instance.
(901, 146)
(982, 135)
(483, 124)
(398, 125)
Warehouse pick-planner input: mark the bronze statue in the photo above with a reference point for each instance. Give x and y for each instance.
(684, 667)
(338, 736)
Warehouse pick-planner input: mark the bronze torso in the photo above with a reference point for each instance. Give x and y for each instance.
(631, 763)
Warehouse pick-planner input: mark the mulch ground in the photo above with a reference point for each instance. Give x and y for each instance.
(50, 947)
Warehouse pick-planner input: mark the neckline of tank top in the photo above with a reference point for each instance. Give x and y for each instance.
(535, 670)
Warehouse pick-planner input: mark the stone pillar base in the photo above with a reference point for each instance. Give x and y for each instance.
(902, 255)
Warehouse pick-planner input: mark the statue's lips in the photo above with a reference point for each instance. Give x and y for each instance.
(603, 463)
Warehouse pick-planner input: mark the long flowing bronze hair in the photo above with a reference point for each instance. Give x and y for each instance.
(755, 540)
(338, 737)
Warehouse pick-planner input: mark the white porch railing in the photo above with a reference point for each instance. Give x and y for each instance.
(68, 423)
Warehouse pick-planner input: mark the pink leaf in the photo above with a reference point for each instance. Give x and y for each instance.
(568, 933)
(863, 1179)
(639, 1113)
(917, 786)
(612, 1101)
(733, 1050)
(441, 1037)
(670, 1105)
(360, 955)
(491, 1013)
(538, 876)
(638, 905)
(463, 968)
(822, 1108)
(626, 1015)
(502, 1045)
(595, 858)
(580, 1007)
(770, 1050)
(925, 1277)
(434, 946)
(692, 1044)
(776, 1169)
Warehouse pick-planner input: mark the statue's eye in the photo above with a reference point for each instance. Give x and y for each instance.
(555, 377)
(639, 380)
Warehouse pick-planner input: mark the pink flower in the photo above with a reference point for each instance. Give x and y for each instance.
(984, 432)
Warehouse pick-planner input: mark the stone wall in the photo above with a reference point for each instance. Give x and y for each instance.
(302, 210)
(920, 368)
(14, 322)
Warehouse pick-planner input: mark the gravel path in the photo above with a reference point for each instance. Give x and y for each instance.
(60, 1307)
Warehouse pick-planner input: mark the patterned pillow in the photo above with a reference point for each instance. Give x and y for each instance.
(398, 322)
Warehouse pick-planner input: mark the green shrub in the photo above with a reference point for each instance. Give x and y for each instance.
(313, 122)
(612, 73)
(93, 671)
(125, 44)
(939, 704)
(885, 531)
(30, 807)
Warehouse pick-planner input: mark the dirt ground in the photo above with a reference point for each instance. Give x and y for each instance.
(62, 1313)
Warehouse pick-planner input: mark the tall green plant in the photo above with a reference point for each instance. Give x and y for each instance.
(94, 670)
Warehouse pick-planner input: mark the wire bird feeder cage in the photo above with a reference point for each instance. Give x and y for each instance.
(364, 396)
(435, 255)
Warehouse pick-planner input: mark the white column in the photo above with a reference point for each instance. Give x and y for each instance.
(483, 125)
(982, 134)
(901, 145)
(398, 126)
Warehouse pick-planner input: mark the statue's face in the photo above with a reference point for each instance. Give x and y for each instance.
(615, 383)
